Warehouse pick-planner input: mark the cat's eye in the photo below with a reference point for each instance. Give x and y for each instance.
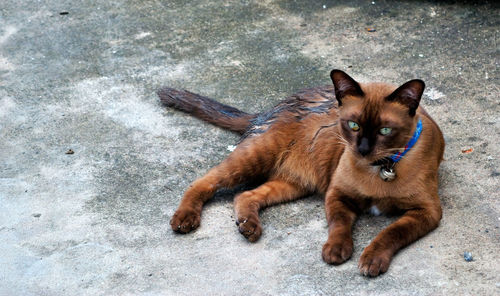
(353, 125)
(385, 131)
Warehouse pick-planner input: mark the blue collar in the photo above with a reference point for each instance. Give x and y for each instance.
(397, 157)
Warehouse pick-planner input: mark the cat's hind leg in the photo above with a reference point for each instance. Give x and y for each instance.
(248, 203)
(245, 163)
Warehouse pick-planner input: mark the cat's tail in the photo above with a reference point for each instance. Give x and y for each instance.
(206, 109)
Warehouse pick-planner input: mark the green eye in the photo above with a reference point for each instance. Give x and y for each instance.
(385, 131)
(353, 125)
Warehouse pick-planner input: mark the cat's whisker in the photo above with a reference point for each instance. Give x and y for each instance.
(346, 143)
(341, 138)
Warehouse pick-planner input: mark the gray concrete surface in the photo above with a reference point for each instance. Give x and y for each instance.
(96, 222)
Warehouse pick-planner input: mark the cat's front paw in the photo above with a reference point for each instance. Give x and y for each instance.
(249, 227)
(185, 220)
(374, 261)
(337, 251)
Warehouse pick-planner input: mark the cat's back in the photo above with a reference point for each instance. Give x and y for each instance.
(295, 108)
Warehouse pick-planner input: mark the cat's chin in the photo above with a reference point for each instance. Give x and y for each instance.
(378, 161)
(373, 161)
(366, 160)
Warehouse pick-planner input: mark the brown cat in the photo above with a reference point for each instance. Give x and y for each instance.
(371, 148)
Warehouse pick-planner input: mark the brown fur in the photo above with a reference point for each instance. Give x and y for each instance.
(305, 146)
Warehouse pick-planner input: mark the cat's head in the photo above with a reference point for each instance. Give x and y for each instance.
(376, 119)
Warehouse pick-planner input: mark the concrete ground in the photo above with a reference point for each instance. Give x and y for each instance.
(82, 75)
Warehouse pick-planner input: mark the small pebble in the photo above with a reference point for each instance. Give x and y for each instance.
(468, 256)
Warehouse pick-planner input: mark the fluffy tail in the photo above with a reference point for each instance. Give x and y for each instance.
(206, 109)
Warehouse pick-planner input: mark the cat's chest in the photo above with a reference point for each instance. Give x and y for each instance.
(365, 181)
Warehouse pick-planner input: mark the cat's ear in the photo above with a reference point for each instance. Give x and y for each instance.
(409, 94)
(344, 85)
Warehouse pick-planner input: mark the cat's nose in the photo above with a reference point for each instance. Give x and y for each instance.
(364, 147)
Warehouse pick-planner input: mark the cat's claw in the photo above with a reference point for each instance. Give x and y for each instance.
(250, 228)
(337, 252)
(373, 263)
(185, 220)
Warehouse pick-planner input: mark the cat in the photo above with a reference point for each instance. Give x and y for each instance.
(364, 146)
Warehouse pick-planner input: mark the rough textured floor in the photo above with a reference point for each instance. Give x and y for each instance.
(82, 75)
